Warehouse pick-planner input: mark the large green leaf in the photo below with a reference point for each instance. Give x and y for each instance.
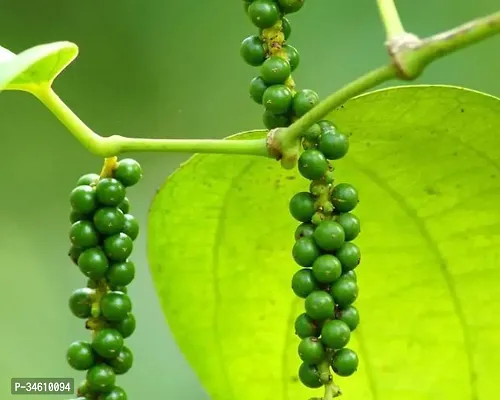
(426, 161)
(35, 67)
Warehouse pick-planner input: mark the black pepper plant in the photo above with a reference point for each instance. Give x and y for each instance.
(299, 134)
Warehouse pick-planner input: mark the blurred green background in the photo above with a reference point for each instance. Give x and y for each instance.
(156, 69)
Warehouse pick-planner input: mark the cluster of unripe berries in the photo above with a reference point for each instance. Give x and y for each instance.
(273, 87)
(325, 251)
(102, 236)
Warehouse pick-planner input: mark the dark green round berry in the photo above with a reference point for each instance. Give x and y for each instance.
(121, 273)
(304, 230)
(344, 197)
(73, 253)
(351, 225)
(319, 305)
(253, 50)
(329, 235)
(125, 206)
(131, 227)
(101, 378)
(305, 326)
(286, 28)
(118, 247)
(275, 70)
(83, 389)
(263, 13)
(335, 334)
(313, 133)
(272, 120)
(290, 6)
(83, 199)
(257, 89)
(83, 234)
(350, 275)
(115, 306)
(75, 216)
(128, 172)
(311, 350)
(93, 263)
(303, 283)
(117, 393)
(344, 291)
(126, 326)
(304, 101)
(302, 206)
(326, 126)
(333, 145)
(110, 192)
(87, 180)
(309, 376)
(109, 220)
(107, 342)
(80, 355)
(326, 269)
(80, 302)
(123, 362)
(312, 164)
(345, 362)
(277, 99)
(292, 56)
(349, 256)
(305, 252)
(350, 316)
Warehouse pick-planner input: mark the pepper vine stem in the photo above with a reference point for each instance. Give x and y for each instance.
(409, 57)
(390, 18)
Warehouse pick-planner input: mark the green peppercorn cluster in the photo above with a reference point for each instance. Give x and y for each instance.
(274, 87)
(325, 251)
(102, 236)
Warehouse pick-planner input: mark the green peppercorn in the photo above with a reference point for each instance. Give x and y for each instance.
(350, 315)
(76, 216)
(319, 305)
(329, 235)
(87, 179)
(305, 252)
(349, 256)
(125, 206)
(115, 306)
(292, 56)
(344, 197)
(130, 226)
(304, 283)
(311, 350)
(335, 334)
(304, 230)
(305, 326)
(344, 291)
(351, 225)
(80, 355)
(83, 234)
(110, 192)
(275, 70)
(302, 206)
(257, 89)
(83, 199)
(93, 263)
(101, 377)
(304, 101)
(80, 302)
(109, 220)
(117, 393)
(122, 362)
(277, 99)
(73, 253)
(326, 126)
(118, 247)
(128, 172)
(313, 133)
(121, 273)
(333, 145)
(326, 269)
(309, 376)
(272, 120)
(107, 342)
(286, 28)
(312, 164)
(350, 275)
(126, 326)
(345, 362)
(263, 13)
(253, 50)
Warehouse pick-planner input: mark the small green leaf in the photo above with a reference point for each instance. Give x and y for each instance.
(35, 67)
(426, 161)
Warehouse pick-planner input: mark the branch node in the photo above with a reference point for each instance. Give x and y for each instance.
(397, 47)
